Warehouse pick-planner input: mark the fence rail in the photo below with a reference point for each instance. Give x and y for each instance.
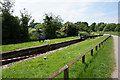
(66, 68)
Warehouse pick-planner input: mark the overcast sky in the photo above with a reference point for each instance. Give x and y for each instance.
(71, 10)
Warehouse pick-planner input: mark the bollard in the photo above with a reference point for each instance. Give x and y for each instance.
(83, 59)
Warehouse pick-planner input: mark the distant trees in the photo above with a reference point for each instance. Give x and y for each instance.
(51, 24)
(83, 26)
(24, 21)
(14, 29)
(18, 29)
(10, 24)
(101, 27)
(117, 28)
(93, 27)
(71, 29)
(110, 27)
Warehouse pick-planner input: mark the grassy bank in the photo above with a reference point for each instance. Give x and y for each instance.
(33, 43)
(113, 33)
(99, 66)
(39, 68)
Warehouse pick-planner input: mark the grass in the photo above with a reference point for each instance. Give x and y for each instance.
(113, 33)
(33, 43)
(100, 65)
(110, 32)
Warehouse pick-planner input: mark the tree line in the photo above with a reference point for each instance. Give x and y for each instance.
(19, 29)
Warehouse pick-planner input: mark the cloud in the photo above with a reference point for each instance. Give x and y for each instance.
(69, 10)
(65, 10)
(99, 14)
(31, 1)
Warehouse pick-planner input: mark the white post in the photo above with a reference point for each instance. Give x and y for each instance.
(79, 36)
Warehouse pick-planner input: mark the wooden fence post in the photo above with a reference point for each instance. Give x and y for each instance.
(96, 48)
(92, 52)
(83, 59)
(102, 43)
(99, 45)
(66, 73)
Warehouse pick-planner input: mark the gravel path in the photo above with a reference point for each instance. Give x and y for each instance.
(115, 72)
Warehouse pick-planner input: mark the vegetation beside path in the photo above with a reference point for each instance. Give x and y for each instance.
(98, 66)
(33, 43)
(113, 33)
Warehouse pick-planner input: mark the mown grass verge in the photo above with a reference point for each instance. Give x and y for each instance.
(33, 43)
(40, 68)
(100, 65)
(113, 33)
(110, 32)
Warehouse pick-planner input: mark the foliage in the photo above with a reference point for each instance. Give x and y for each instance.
(14, 29)
(25, 17)
(51, 24)
(98, 25)
(10, 32)
(10, 24)
(109, 27)
(83, 26)
(101, 27)
(117, 28)
(6, 6)
(71, 29)
(92, 27)
(35, 32)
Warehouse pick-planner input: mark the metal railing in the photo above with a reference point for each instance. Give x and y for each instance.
(65, 68)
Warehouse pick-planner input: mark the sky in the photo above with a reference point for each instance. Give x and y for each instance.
(71, 10)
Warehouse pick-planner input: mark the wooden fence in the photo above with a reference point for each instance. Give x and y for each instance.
(66, 68)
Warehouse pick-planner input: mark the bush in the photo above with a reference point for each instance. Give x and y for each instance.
(71, 29)
(34, 36)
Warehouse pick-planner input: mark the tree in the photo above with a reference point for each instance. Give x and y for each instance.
(93, 26)
(14, 29)
(110, 27)
(98, 25)
(101, 27)
(32, 23)
(79, 25)
(85, 27)
(24, 23)
(25, 17)
(10, 24)
(113, 26)
(71, 29)
(117, 28)
(6, 6)
(51, 24)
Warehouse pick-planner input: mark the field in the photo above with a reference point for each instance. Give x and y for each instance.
(98, 66)
(113, 33)
(33, 43)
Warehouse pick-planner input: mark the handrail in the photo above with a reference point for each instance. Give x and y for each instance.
(65, 68)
